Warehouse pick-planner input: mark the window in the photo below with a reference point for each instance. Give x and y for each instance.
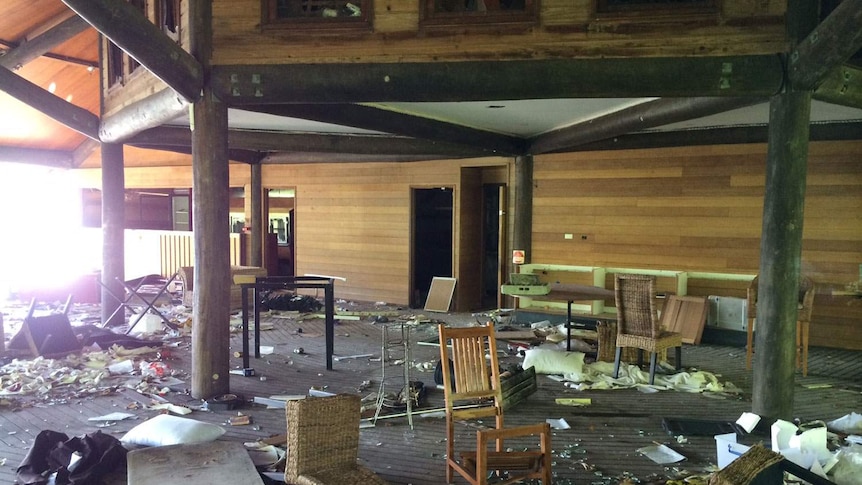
(120, 66)
(115, 64)
(318, 14)
(168, 17)
(478, 12)
(640, 6)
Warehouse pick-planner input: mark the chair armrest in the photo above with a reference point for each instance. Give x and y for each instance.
(497, 434)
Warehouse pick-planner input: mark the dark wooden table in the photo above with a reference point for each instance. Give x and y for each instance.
(571, 293)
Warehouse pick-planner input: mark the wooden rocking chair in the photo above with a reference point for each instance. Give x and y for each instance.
(467, 378)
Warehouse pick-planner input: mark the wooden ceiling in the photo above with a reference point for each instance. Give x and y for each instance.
(67, 71)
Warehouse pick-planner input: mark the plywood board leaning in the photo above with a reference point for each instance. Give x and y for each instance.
(440, 294)
(204, 463)
(685, 315)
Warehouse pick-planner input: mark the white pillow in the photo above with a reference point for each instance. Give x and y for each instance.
(553, 361)
(165, 429)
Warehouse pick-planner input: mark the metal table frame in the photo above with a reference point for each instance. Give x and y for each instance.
(289, 283)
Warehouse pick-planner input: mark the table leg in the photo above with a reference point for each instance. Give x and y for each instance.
(330, 324)
(254, 295)
(569, 327)
(244, 327)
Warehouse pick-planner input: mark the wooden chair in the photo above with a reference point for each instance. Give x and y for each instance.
(470, 377)
(807, 290)
(638, 325)
(323, 442)
(751, 305)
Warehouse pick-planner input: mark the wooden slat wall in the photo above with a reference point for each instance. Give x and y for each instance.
(353, 221)
(700, 209)
(567, 29)
(696, 209)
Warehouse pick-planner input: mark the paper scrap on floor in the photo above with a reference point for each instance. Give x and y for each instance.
(558, 423)
(573, 401)
(661, 454)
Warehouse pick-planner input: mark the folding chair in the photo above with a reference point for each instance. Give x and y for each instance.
(135, 292)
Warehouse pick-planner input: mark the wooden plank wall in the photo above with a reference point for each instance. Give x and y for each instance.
(700, 209)
(353, 221)
(696, 209)
(566, 28)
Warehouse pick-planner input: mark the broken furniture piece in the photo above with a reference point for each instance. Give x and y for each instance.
(141, 292)
(395, 350)
(47, 336)
(194, 464)
(440, 294)
(323, 442)
(685, 315)
(468, 377)
(638, 325)
(760, 466)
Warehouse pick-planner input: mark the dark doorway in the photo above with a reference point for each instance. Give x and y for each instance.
(491, 225)
(432, 240)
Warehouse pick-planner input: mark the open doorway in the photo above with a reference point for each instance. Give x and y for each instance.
(431, 241)
(280, 214)
(493, 236)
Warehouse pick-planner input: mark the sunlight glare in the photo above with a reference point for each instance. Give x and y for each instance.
(45, 245)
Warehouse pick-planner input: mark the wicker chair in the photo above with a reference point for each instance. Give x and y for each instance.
(638, 325)
(323, 442)
(807, 290)
(468, 378)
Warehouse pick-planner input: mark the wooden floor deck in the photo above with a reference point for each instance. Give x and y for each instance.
(599, 448)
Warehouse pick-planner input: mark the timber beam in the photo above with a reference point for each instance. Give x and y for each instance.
(36, 156)
(398, 123)
(750, 76)
(55, 107)
(41, 44)
(642, 116)
(287, 158)
(131, 31)
(234, 154)
(266, 141)
(841, 86)
(150, 112)
(717, 136)
(84, 150)
(829, 45)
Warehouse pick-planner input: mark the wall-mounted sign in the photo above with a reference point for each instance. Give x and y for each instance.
(519, 256)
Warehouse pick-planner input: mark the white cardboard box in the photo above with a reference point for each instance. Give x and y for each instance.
(727, 449)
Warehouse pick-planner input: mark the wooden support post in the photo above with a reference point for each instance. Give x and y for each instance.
(781, 236)
(257, 222)
(211, 307)
(523, 228)
(781, 255)
(210, 209)
(113, 232)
